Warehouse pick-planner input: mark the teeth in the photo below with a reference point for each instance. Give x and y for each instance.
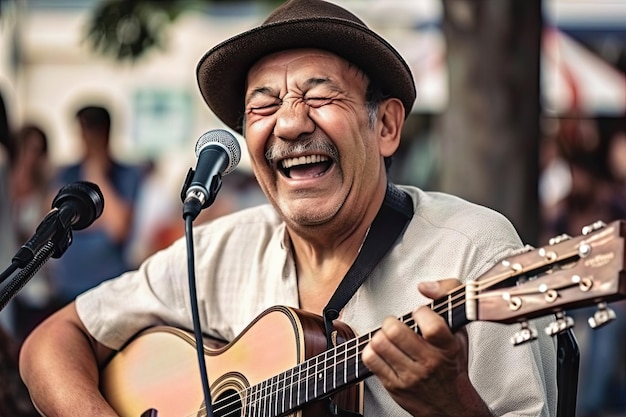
(302, 160)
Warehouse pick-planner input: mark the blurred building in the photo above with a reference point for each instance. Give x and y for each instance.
(46, 65)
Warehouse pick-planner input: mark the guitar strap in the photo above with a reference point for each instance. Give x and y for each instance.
(388, 225)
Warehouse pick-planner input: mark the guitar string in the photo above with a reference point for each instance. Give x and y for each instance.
(455, 298)
(312, 363)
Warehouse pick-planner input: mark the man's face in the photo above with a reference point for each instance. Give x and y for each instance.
(312, 147)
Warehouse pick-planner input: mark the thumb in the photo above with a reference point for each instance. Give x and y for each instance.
(438, 289)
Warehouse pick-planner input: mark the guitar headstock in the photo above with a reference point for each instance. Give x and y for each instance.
(567, 274)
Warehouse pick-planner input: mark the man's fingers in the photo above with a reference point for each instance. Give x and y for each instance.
(433, 328)
(393, 351)
(438, 289)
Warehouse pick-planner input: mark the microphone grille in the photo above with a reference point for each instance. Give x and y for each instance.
(226, 140)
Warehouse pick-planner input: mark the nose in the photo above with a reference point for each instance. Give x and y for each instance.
(292, 120)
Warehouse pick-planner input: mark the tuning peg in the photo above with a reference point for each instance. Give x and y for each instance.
(561, 324)
(558, 239)
(525, 249)
(525, 334)
(593, 227)
(603, 315)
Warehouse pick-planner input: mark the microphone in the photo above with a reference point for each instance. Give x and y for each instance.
(76, 206)
(218, 153)
(79, 203)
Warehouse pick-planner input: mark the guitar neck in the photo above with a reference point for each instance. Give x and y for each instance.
(336, 368)
(570, 272)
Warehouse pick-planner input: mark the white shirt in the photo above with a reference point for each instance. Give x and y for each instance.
(244, 265)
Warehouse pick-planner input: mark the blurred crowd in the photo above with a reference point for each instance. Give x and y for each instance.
(140, 217)
(583, 180)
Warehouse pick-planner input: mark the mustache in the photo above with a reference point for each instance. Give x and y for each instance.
(283, 149)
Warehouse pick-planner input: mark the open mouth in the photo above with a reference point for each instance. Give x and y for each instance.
(305, 167)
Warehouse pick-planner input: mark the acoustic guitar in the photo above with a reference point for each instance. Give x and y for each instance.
(279, 364)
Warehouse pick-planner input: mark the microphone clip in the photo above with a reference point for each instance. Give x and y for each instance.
(51, 229)
(195, 197)
(186, 184)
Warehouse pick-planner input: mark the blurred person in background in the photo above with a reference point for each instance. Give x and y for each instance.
(616, 163)
(30, 179)
(14, 399)
(98, 252)
(592, 193)
(158, 222)
(596, 193)
(7, 235)
(30, 201)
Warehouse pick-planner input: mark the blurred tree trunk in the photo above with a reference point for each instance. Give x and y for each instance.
(490, 131)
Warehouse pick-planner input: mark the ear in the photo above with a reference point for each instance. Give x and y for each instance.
(391, 113)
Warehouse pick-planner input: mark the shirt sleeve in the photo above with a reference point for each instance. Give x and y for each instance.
(119, 308)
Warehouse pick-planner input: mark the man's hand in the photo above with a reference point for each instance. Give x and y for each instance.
(425, 373)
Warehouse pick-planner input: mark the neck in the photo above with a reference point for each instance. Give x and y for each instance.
(339, 240)
(325, 255)
(320, 268)
(346, 229)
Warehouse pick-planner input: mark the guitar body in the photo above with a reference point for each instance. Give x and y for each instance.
(159, 370)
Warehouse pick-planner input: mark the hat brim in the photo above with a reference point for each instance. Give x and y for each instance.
(222, 70)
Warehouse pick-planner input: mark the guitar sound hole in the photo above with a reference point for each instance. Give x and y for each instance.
(228, 404)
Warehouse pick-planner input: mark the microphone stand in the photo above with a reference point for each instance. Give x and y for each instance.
(196, 319)
(18, 282)
(53, 247)
(49, 227)
(191, 209)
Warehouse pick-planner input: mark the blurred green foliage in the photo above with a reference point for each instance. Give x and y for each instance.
(127, 29)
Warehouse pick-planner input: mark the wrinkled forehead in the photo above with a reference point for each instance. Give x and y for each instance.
(308, 61)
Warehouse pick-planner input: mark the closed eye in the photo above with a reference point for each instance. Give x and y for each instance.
(264, 110)
(317, 101)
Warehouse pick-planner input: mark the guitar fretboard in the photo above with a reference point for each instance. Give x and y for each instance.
(333, 369)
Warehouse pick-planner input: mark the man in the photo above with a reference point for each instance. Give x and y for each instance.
(99, 252)
(322, 100)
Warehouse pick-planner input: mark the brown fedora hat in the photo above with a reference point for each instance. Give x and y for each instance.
(300, 24)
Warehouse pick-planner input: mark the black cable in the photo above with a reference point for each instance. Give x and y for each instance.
(196, 316)
(9, 271)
